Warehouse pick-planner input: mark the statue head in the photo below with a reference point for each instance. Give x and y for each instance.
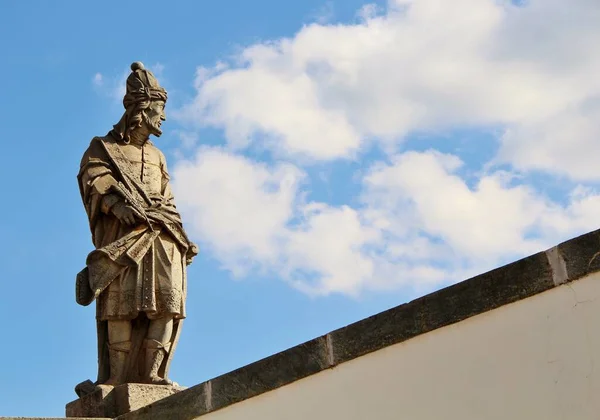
(144, 103)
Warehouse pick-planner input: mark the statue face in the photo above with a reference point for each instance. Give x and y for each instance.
(154, 116)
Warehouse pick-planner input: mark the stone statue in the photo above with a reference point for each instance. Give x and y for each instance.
(137, 273)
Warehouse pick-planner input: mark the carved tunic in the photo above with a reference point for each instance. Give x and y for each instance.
(155, 285)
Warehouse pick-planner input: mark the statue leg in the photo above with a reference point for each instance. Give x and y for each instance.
(119, 345)
(158, 344)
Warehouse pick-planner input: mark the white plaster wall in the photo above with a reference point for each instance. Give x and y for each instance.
(535, 359)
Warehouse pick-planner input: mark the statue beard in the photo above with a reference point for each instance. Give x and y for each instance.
(153, 124)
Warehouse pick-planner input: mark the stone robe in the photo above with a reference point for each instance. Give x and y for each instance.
(139, 269)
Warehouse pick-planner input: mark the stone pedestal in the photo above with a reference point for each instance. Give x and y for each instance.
(106, 401)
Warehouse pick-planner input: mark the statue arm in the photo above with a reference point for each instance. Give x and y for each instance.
(169, 200)
(100, 194)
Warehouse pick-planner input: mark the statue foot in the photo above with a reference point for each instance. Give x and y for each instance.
(157, 380)
(155, 354)
(105, 387)
(111, 383)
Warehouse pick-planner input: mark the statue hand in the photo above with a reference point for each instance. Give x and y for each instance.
(125, 213)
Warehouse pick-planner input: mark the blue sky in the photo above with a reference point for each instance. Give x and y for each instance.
(332, 159)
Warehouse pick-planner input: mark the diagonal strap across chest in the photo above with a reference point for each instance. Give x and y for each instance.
(122, 164)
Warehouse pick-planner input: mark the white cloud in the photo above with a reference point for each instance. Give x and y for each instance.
(327, 252)
(252, 216)
(331, 91)
(420, 225)
(238, 207)
(422, 65)
(567, 144)
(487, 221)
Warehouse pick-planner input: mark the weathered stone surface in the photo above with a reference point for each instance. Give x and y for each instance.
(581, 254)
(100, 403)
(185, 405)
(54, 418)
(106, 402)
(130, 397)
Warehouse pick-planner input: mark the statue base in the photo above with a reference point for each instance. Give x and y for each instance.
(111, 402)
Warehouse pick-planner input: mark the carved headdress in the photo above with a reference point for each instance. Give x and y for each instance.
(142, 89)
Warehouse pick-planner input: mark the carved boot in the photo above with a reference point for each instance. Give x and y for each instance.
(118, 353)
(155, 354)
